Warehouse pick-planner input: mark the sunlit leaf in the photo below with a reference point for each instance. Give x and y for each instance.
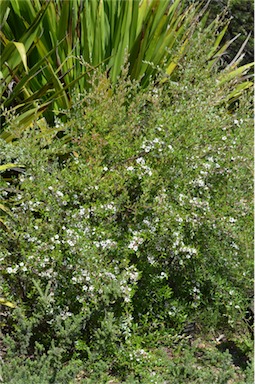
(7, 303)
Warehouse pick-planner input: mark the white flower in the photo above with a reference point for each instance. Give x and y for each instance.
(71, 243)
(163, 275)
(134, 244)
(127, 299)
(140, 160)
(105, 244)
(148, 170)
(59, 194)
(151, 260)
(207, 165)
(82, 212)
(64, 315)
(234, 245)
(147, 148)
(12, 270)
(130, 168)
(199, 182)
(110, 275)
(133, 275)
(189, 251)
(110, 206)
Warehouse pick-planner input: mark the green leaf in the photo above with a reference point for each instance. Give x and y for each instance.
(235, 74)
(22, 51)
(4, 167)
(7, 303)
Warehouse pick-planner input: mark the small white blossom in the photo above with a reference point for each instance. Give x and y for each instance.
(59, 194)
(207, 165)
(140, 161)
(135, 242)
(163, 275)
(12, 270)
(151, 260)
(71, 243)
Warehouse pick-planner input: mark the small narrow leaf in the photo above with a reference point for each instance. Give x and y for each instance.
(22, 51)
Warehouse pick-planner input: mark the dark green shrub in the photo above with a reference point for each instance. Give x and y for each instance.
(137, 215)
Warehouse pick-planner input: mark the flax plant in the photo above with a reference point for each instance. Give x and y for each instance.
(48, 48)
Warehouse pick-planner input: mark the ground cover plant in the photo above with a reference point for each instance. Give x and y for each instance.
(129, 235)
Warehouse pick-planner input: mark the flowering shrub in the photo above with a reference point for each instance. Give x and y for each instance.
(138, 214)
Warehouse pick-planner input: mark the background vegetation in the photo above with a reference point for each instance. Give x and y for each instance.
(241, 14)
(126, 228)
(49, 48)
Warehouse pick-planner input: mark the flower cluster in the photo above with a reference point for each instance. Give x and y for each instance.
(135, 242)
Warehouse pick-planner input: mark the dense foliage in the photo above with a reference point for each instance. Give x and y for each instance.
(49, 48)
(133, 218)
